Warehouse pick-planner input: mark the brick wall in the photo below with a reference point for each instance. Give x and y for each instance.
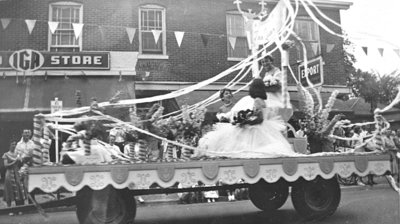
(104, 30)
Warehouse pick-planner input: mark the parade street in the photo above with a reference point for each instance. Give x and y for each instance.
(366, 205)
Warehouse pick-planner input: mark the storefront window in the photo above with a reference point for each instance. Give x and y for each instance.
(63, 38)
(152, 17)
(236, 29)
(308, 31)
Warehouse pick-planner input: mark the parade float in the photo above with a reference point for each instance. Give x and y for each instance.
(106, 182)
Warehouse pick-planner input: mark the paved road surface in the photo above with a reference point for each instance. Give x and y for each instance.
(366, 206)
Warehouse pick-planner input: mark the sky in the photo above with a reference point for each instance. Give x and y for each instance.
(374, 24)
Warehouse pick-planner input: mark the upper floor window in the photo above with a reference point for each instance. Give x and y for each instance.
(236, 28)
(63, 38)
(308, 31)
(152, 17)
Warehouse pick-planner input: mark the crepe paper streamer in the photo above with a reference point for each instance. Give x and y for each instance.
(37, 150)
(46, 144)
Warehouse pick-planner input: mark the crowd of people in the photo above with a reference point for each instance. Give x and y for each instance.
(16, 160)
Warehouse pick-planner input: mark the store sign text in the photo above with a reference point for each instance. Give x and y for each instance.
(31, 60)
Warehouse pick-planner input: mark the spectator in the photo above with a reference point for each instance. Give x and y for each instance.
(25, 146)
(396, 139)
(300, 133)
(357, 138)
(13, 186)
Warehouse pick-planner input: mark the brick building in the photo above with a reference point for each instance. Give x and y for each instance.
(102, 60)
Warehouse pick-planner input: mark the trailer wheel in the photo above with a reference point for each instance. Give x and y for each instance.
(316, 199)
(269, 196)
(107, 206)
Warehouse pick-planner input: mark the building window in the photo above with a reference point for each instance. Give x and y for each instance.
(152, 17)
(235, 28)
(308, 31)
(63, 38)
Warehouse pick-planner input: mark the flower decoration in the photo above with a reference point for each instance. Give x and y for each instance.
(272, 84)
(246, 117)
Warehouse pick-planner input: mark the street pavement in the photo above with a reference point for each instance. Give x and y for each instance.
(370, 205)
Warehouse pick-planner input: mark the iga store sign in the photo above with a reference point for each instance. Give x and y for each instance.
(30, 60)
(315, 72)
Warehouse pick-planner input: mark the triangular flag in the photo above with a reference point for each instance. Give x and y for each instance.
(101, 33)
(365, 49)
(397, 51)
(156, 34)
(329, 47)
(248, 35)
(53, 26)
(232, 41)
(77, 29)
(380, 51)
(179, 37)
(147, 74)
(131, 33)
(5, 22)
(30, 23)
(314, 47)
(204, 38)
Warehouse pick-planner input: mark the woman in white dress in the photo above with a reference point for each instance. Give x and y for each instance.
(261, 140)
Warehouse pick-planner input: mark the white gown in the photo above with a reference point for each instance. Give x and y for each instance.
(263, 140)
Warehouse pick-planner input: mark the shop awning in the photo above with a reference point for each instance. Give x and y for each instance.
(35, 93)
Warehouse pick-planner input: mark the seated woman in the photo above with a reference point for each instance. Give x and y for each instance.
(226, 97)
(262, 139)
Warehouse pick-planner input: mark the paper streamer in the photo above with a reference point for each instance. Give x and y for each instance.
(46, 144)
(37, 151)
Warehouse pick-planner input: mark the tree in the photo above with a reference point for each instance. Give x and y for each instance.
(373, 87)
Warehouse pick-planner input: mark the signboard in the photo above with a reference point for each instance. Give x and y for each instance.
(315, 72)
(56, 105)
(30, 60)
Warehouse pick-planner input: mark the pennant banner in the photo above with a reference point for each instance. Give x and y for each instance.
(329, 47)
(314, 47)
(77, 29)
(5, 22)
(147, 74)
(30, 24)
(365, 49)
(248, 35)
(179, 37)
(380, 51)
(397, 51)
(156, 34)
(53, 26)
(131, 33)
(204, 38)
(232, 41)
